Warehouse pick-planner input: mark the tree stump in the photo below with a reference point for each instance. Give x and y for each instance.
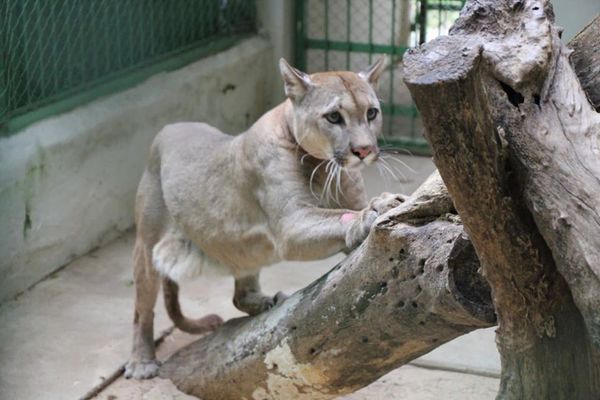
(518, 145)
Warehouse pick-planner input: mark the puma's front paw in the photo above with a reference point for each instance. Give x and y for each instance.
(360, 228)
(141, 369)
(386, 201)
(363, 221)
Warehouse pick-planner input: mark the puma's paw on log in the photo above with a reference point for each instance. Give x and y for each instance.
(360, 227)
(386, 201)
(362, 223)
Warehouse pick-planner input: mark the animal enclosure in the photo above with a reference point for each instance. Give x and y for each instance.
(350, 34)
(59, 54)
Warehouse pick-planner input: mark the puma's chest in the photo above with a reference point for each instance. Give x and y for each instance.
(244, 249)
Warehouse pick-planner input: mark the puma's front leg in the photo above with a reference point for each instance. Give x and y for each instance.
(365, 218)
(312, 233)
(249, 298)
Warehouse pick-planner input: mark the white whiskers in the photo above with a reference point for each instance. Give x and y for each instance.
(383, 174)
(392, 157)
(329, 180)
(391, 170)
(332, 191)
(387, 168)
(312, 175)
(332, 186)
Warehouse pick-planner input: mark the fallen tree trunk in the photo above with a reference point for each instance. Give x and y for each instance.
(409, 288)
(518, 146)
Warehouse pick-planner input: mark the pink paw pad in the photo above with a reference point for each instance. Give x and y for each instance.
(347, 217)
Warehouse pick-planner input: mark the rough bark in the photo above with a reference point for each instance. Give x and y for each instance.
(586, 60)
(517, 144)
(413, 285)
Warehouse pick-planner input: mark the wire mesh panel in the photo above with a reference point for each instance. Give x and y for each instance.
(51, 49)
(350, 34)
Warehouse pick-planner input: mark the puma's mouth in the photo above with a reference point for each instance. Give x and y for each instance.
(353, 160)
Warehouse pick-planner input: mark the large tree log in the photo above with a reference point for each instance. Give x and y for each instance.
(517, 144)
(409, 288)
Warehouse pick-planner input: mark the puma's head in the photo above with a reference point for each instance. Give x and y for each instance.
(336, 115)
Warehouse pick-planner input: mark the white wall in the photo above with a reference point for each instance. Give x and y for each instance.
(67, 183)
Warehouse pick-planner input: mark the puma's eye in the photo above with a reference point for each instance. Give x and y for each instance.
(334, 117)
(372, 113)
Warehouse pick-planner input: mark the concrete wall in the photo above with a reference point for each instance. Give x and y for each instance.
(573, 15)
(67, 183)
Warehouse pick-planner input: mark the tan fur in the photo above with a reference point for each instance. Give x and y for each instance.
(240, 203)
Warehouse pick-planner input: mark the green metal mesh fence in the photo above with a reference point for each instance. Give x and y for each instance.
(53, 49)
(350, 34)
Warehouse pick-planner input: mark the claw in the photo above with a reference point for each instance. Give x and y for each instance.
(142, 369)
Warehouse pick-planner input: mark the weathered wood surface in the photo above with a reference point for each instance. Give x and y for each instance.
(413, 285)
(518, 146)
(586, 60)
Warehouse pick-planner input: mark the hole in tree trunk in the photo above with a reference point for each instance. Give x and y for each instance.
(514, 97)
(469, 287)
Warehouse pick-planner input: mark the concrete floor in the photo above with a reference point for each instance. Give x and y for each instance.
(72, 331)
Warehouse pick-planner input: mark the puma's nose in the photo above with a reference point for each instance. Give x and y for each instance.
(363, 151)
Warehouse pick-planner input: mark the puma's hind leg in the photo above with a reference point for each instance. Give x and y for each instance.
(249, 298)
(142, 363)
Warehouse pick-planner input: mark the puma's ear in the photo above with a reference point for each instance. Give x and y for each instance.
(374, 71)
(296, 81)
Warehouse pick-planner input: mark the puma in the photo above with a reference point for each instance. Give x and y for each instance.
(289, 188)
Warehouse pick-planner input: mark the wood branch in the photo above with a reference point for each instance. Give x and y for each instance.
(517, 144)
(406, 290)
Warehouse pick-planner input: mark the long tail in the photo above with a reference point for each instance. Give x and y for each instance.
(195, 326)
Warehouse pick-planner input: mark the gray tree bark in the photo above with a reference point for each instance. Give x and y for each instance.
(586, 60)
(413, 285)
(518, 145)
